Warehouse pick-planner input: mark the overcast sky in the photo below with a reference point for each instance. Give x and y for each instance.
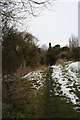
(58, 25)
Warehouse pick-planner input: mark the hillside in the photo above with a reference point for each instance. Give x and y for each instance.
(52, 92)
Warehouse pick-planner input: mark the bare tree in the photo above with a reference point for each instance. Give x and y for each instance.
(12, 9)
(13, 12)
(73, 42)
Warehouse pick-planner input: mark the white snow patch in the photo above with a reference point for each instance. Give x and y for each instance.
(33, 75)
(66, 77)
(74, 66)
(36, 77)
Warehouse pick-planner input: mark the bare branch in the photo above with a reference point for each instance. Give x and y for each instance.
(39, 2)
(16, 10)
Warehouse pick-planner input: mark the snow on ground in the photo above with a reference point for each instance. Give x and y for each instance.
(33, 75)
(67, 81)
(36, 77)
(75, 66)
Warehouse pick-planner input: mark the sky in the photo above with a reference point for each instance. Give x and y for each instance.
(56, 26)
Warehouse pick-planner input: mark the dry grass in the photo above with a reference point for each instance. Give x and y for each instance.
(21, 72)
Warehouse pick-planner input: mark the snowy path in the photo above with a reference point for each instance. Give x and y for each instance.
(60, 85)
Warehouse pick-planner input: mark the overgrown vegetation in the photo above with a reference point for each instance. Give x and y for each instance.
(21, 54)
(22, 100)
(21, 50)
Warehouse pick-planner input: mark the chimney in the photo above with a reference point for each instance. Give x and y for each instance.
(49, 45)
